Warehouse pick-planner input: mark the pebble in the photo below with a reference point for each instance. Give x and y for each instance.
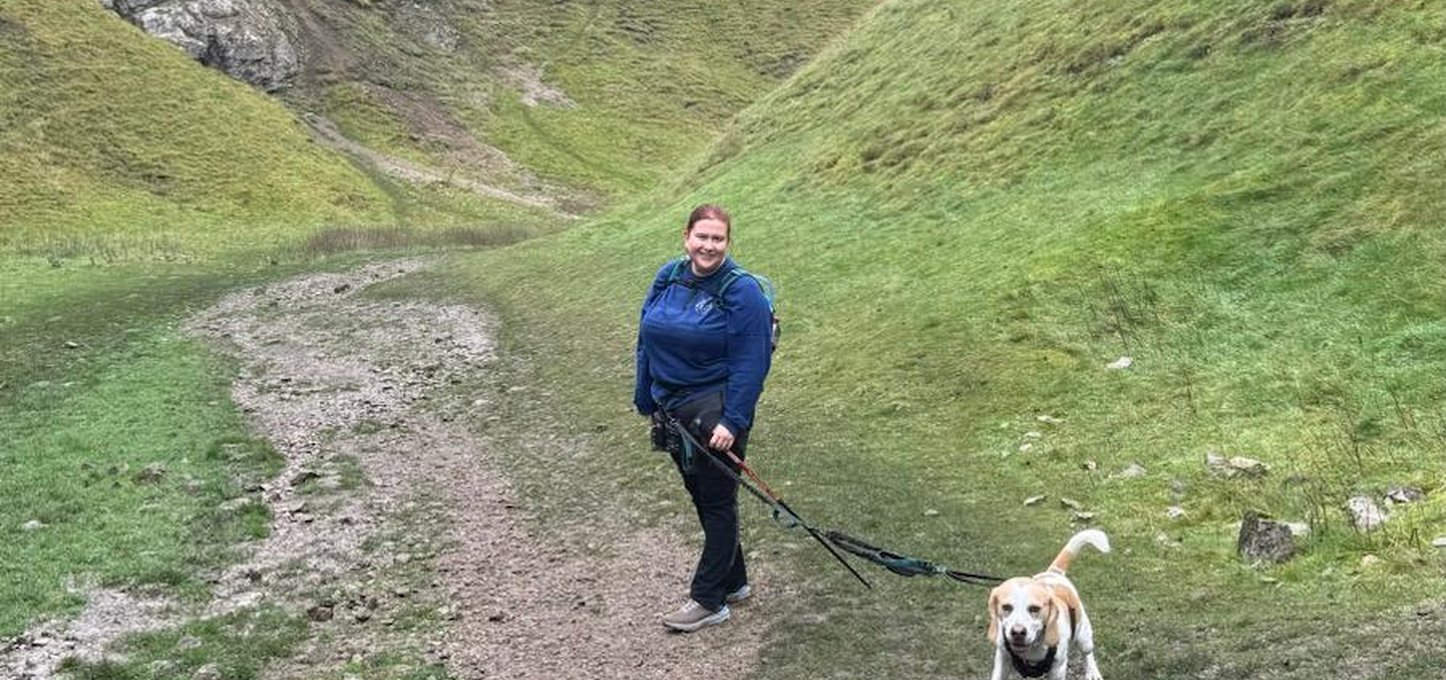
(1133, 471)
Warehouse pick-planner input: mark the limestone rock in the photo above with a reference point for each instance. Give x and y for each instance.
(151, 474)
(1234, 466)
(249, 40)
(1264, 540)
(1400, 495)
(1365, 514)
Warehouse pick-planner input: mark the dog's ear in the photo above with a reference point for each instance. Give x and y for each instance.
(1052, 607)
(994, 616)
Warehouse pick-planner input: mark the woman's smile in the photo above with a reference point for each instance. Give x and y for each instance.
(707, 245)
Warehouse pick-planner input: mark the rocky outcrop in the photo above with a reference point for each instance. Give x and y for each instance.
(249, 40)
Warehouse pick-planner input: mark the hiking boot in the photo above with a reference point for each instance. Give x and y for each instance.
(693, 616)
(738, 595)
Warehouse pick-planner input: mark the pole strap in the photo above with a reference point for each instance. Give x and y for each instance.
(894, 562)
(904, 565)
(781, 511)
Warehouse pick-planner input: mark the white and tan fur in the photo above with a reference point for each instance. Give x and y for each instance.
(1029, 616)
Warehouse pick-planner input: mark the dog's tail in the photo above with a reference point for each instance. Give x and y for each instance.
(1093, 537)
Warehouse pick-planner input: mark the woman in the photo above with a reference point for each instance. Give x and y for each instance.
(704, 348)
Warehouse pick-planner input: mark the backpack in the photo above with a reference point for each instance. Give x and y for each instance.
(675, 275)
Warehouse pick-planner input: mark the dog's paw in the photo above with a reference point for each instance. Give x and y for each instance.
(1093, 675)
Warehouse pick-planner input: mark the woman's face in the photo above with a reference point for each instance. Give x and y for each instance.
(706, 244)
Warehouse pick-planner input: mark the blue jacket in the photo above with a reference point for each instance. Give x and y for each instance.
(690, 345)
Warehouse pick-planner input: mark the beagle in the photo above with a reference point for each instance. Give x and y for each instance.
(1033, 621)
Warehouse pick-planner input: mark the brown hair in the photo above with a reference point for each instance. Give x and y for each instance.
(708, 211)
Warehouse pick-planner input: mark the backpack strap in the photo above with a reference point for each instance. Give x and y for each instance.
(732, 275)
(675, 274)
(737, 273)
(766, 287)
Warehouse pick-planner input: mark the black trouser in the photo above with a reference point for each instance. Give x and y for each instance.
(715, 496)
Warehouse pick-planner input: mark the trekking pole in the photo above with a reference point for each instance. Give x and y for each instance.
(764, 493)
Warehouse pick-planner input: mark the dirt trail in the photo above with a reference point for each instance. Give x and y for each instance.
(339, 382)
(327, 133)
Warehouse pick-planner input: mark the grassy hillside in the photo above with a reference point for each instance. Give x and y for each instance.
(591, 100)
(971, 211)
(117, 145)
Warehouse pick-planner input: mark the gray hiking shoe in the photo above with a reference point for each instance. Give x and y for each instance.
(738, 595)
(692, 616)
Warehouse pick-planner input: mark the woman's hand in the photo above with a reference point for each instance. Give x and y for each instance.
(722, 438)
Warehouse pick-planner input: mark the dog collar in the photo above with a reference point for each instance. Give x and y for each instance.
(1029, 669)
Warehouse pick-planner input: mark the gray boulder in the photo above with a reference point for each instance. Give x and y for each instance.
(249, 40)
(1365, 514)
(1264, 540)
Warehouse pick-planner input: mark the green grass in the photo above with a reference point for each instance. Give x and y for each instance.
(96, 387)
(651, 81)
(76, 461)
(969, 212)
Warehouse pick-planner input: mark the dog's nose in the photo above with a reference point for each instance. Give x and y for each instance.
(1017, 632)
